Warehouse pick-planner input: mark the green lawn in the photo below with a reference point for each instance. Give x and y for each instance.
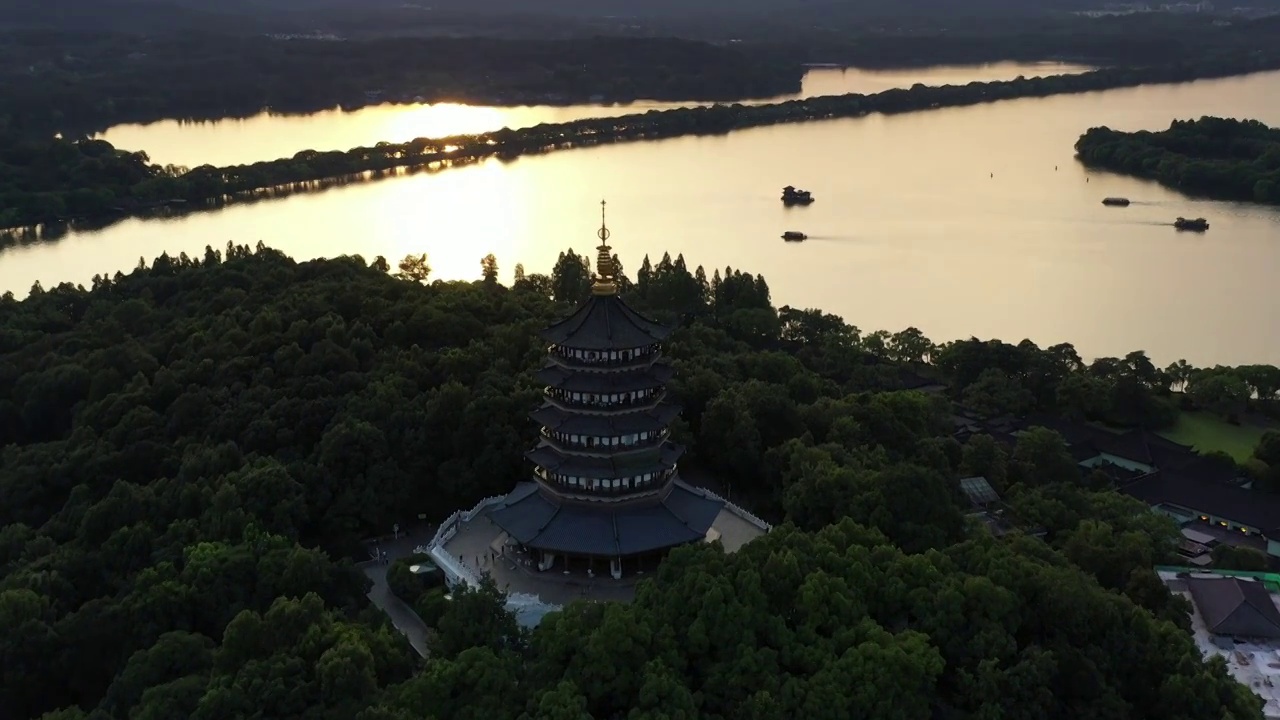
(1207, 432)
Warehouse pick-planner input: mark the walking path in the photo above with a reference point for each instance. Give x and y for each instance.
(402, 616)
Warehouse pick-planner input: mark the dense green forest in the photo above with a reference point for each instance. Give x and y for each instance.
(193, 450)
(55, 180)
(1215, 157)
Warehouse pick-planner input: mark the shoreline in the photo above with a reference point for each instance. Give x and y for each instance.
(521, 100)
(321, 170)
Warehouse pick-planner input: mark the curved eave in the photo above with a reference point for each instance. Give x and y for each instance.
(650, 420)
(629, 465)
(605, 322)
(620, 381)
(683, 516)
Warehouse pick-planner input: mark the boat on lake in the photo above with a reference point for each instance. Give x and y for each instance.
(1197, 225)
(1115, 201)
(792, 196)
(794, 236)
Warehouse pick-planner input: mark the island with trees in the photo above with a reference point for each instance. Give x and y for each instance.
(1221, 158)
(49, 181)
(192, 452)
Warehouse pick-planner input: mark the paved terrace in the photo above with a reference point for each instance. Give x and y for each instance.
(402, 616)
(477, 545)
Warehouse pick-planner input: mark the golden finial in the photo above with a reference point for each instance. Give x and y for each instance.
(605, 282)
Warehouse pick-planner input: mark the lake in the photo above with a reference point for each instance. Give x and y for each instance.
(954, 221)
(267, 136)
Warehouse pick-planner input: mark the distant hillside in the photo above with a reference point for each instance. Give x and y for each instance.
(122, 15)
(119, 14)
(759, 20)
(678, 8)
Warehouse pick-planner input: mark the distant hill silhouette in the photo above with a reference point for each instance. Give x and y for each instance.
(710, 19)
(118, 14)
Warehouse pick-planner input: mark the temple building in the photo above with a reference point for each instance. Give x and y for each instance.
(604, 488)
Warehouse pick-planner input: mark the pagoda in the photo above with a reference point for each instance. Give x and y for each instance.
(605, 486)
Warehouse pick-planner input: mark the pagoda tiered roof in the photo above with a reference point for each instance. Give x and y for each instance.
(574, 423)
(620, 381)
(682, 516)
(608, 353)
(658, 460)
(605, 322)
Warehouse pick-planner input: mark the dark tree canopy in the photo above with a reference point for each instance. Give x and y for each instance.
(192, 452)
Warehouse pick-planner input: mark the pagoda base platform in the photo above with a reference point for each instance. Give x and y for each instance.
(610, 532)
(482, 547)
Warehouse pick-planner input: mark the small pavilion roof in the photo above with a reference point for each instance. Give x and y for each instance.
(625, 465)
(605, 322)
(619, 381)
(683, 515)
(1232, 606)
(649, 420)
(979, 491)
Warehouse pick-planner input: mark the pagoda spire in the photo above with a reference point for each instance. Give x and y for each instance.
(606, 281)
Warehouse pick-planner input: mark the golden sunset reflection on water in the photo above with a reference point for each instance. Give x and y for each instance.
(268, 136)
(959, 221)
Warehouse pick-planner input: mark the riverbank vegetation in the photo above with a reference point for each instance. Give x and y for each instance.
(53, 83)
(1214, 157)
(53, 181)
(118, 69)
(193, 449)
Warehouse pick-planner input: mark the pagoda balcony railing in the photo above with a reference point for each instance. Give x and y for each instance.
(602, 361)
(561, 483)
(592, 404)
(605, 450)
